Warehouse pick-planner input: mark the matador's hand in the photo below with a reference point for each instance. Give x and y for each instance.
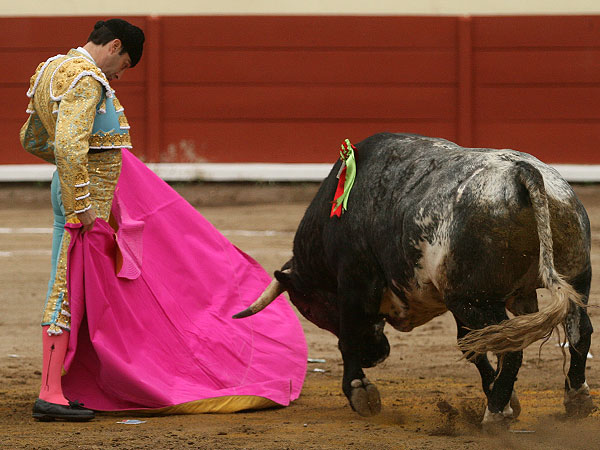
(87, 218)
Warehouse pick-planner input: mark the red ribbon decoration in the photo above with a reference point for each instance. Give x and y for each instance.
(338, 192)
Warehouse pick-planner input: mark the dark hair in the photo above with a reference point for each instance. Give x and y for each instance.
(132, 38)
(101, 35)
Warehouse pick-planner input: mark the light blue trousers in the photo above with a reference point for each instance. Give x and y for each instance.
(58, 227)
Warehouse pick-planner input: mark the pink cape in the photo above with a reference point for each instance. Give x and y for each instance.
(159, 332)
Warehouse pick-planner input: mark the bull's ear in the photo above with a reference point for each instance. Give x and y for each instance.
(284, 277)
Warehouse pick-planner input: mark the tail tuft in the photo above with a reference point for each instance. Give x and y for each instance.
(519, 332)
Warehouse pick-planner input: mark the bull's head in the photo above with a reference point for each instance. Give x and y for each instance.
(321, 308)
(317, 306)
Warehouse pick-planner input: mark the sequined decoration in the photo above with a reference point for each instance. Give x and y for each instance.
(73, 129)
(104, 170)
(62, 111)
(107, 140)
(35, 139)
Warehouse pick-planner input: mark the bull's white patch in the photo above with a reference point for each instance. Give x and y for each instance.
(423, 300)
(443, 144)
(573, 327)
(493, 188)
(463, 185)
(554, 184)
(503, 159)
(435, 249)
(422, 221)
(430, 266)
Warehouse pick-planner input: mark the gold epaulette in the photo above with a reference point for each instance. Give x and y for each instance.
(35, 79)
(68, 72)
(65, 75)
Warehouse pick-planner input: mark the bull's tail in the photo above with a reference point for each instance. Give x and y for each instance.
(517, 333)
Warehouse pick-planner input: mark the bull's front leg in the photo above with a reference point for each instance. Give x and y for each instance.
(361, 393)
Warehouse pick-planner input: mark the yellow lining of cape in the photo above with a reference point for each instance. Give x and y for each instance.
(219, 405)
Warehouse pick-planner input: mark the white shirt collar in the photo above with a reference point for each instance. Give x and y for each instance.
(86, 54)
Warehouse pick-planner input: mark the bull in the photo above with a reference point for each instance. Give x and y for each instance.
(432, 227)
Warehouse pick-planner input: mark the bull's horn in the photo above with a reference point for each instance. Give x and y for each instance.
(273, 290)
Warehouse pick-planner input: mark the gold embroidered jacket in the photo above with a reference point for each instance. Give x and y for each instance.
(66, 93)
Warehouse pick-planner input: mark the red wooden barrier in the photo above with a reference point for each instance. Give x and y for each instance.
(537, 85)
(290, 89)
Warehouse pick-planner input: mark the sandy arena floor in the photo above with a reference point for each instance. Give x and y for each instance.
(422, 376)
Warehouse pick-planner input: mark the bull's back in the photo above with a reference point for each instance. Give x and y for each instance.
(427, 208)
(453, 216)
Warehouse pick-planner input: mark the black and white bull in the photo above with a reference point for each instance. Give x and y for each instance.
(432, 227)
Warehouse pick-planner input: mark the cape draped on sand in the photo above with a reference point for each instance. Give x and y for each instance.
(151, 308)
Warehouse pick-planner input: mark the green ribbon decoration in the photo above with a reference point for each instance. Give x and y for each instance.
(347, 155)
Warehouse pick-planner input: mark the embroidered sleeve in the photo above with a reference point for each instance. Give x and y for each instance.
(34, 139)
(73, 129)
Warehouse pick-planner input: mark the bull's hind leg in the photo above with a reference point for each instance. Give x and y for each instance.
(500, 390)
(487, 373)
(354, 294)
(578, 401)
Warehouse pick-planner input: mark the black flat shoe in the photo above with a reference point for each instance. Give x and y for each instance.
(75, 412)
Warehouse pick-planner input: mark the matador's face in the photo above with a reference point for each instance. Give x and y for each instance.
(114, 63)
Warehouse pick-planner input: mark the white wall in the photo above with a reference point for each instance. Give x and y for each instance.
(282, 7)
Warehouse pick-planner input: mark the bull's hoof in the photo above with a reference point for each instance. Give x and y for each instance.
(364, 398)
(578, 402)
(497, 422)
(515, 405)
